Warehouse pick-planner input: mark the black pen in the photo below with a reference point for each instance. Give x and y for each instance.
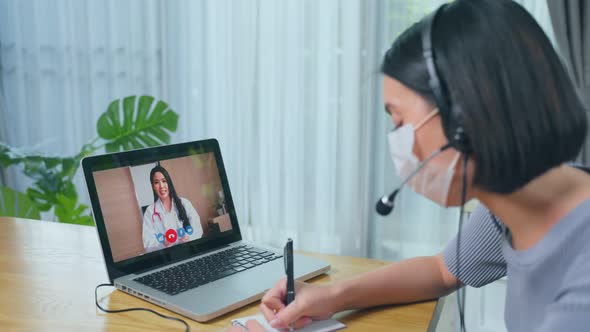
(288, 259)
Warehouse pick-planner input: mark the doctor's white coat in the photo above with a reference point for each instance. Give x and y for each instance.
(155, 225)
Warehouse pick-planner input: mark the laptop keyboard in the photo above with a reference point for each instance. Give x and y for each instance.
(182, 277)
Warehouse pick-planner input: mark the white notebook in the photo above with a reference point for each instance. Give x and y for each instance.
(327, 325)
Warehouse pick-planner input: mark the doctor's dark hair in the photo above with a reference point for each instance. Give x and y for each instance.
(179, 206)
(507, 87)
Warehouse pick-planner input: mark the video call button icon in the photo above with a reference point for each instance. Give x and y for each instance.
(171, 235)
(160, 237)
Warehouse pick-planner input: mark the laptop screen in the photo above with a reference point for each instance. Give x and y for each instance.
(148, 202)
(161, 204)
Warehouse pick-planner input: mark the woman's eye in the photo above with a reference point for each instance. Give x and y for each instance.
(397, 119)
(397, 122)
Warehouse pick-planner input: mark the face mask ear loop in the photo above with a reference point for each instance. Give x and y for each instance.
(461, 291)
(450, 170)
(428, 117)
(454, 162)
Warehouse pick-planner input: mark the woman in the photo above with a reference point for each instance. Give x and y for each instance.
(170, 219)
(508, 107)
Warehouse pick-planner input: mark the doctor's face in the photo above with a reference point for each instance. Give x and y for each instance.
(160, 185)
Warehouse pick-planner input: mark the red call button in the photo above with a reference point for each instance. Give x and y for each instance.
(171, 236)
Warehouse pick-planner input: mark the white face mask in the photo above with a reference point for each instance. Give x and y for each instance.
(431, 181)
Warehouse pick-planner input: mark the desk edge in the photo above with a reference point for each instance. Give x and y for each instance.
(440, 302)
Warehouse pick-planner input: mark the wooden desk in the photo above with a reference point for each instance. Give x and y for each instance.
(48, 272)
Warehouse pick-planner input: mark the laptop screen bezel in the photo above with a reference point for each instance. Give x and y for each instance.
(172, 254)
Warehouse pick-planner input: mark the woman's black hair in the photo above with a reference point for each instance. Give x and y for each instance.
(505, 82)
(181, 210)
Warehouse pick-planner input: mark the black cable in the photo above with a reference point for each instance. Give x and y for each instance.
(108, 311)
(461, 292)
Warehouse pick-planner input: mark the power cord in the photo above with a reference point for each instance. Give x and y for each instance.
(108, 311)
(460, 291)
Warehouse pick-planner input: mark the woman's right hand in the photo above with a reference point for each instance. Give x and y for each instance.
(315, 302)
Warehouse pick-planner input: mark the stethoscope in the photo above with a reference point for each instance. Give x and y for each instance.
(156, 213)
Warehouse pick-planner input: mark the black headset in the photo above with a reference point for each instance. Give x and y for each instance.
(450, 114)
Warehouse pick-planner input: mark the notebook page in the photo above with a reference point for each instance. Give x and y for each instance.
(327, 325)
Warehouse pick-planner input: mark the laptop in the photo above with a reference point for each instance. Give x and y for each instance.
(169, 232)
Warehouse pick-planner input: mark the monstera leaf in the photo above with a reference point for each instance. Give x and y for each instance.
(8, 156)
(15, 204)
(69, 210)
(129, 125)
(12, 156)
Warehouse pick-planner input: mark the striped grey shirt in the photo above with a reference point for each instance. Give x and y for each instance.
(548, 286)
(481, 259)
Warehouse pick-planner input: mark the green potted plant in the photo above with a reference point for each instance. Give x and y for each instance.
(128, 123)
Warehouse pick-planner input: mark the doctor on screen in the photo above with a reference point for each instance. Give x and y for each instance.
(171, 219)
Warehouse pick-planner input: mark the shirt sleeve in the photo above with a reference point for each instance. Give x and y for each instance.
(193, 218)
(480, 250)
(571, 309)
(150, 242)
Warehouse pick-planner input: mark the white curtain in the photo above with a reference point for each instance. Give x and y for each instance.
(540, 11)
(63, 61)
(289, 88)
(282, 85)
